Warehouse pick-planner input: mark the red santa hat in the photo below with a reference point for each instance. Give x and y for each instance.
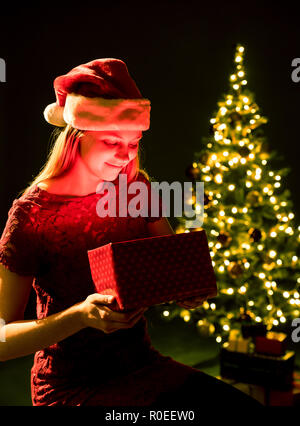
(99, 95)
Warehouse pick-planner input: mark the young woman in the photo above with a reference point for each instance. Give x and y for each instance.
(87, 353)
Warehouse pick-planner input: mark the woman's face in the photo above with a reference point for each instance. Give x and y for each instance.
(106, 153)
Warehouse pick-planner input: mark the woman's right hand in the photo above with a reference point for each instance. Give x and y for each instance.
(95, 312)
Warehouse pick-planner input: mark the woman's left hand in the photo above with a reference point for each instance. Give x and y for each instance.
(192, 302)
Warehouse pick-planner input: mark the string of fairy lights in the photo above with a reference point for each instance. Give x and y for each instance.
(236, 146)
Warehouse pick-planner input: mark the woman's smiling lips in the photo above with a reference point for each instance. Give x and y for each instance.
(117, 167)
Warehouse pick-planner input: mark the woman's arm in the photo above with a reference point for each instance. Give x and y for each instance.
(19, 338)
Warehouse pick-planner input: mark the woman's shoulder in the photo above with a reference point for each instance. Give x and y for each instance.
(51, 185)
(28, 202)
(57, 188)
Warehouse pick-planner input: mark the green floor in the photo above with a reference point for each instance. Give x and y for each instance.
(176, 338)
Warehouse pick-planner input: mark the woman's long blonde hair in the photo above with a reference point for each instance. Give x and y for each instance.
(62, 157)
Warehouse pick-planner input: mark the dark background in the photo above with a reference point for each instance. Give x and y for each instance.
(180, 53)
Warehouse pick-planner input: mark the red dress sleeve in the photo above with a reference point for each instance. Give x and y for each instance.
(18, 243)
(152, 197)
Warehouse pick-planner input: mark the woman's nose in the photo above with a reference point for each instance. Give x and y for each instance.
(122, 154)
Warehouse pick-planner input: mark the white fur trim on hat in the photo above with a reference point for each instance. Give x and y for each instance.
(53, 113)
(98, 113)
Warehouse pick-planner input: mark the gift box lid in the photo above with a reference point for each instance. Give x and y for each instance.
(154, 270)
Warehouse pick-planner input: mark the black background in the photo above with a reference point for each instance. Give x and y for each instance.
(180, 53)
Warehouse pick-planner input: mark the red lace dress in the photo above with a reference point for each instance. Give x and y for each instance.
(47, 236)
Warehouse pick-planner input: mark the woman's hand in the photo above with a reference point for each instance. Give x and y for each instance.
(192, 302)
(95, 313)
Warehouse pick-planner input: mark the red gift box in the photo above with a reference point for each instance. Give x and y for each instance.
(273, 343)
(154, 270)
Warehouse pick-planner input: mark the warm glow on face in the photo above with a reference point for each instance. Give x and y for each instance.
(106, 153)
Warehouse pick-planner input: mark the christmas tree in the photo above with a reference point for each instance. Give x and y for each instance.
(248, 219)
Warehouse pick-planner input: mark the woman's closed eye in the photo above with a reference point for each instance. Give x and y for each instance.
(110, 143)
(133, 146)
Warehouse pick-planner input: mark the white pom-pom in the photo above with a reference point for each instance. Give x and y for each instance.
(53, 114)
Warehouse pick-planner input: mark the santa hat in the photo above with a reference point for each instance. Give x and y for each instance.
(99, 95)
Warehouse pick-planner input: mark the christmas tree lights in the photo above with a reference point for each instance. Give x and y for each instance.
(248, 218)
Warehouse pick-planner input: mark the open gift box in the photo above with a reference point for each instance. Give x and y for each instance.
(154, 270)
